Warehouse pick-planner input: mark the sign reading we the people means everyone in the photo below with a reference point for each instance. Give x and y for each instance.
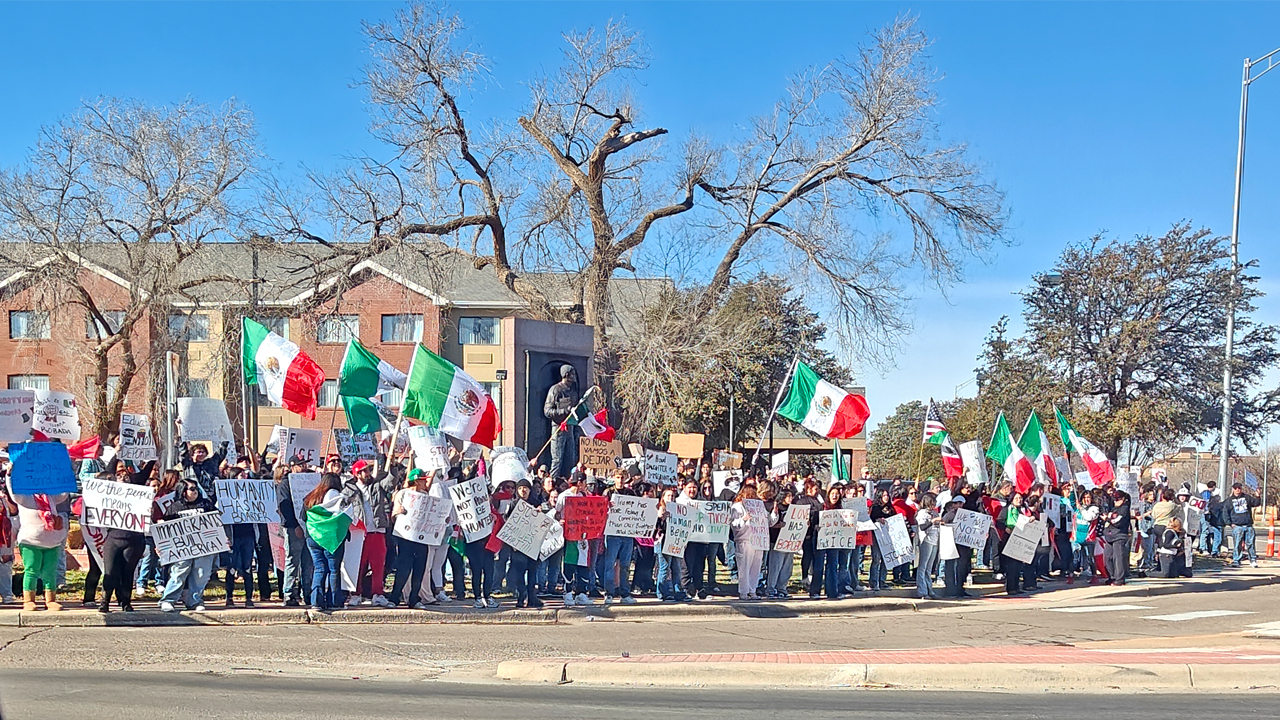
(118, 505)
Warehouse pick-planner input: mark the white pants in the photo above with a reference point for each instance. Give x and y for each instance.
(434, 576)
(749, 560)
(351, 560)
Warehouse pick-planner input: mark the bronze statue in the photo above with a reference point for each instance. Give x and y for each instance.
(562, 398)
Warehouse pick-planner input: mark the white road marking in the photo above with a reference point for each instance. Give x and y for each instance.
(1099, 608)
(1198, 614)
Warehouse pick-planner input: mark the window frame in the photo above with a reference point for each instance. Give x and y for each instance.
(48, 325)
(420, 328)
(352, 332)
(496, 330)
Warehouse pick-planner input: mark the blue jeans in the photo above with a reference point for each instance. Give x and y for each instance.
(778, 572)
(1210, 538)
(1082, 558)
(844, 575)
(670, 570)
(297, 563)
(326, 582)
(825, 571)
(149, 569)
(1243, 538)
(924, 571)
(617, 549)
(187, 580)
(879, 573)
(481, 560)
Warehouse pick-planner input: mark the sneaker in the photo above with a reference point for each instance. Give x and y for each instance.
(491, 602)
(608, 599)
(381, 601)
(139, 592)
(292, 602)
(420, 606)
(1253, 563)
(354, 601)
(442, 597)
(584, 600)
(230, 603)
(628, 600)
(248, 603)
(198, 608)
(479, 604)
(316, 608)
(568, 600)
(366, 602)
(166, 606)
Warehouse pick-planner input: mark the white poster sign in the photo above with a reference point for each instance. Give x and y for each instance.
(189, 537)
(680, 516)
(304, 444)
(136, 442)
(554, 540)
(947, 549)
(712, 522)
(971, 528)
(426, 518)
(355, 446)
(794, 528)
(56, 415)
(837, 529)
(300, 486)
(204, 419)
(660, 467)
(118, 505)
(17, 411)
(726, 479)
(861, 506)
(471, 505)
(975, 463)
(430, 448)
(633, 517)
(508, 464)
(1024, 539)
(780, 464)
(894, 540)
(755, 534)
(1051, 509)
(526, 529)
(247, 501)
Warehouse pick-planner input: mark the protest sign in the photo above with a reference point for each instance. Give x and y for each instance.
(1128, 482)
(300, 486)
(56, 415)
(862, 506)
(41, 467)
(189, 537)
(755, 534)
(247, 501)
(425, 518)
(279, 545)
(780, 464)
(471, 505)
(95, 539)
(1192, 524)
(585, 517)
(204, 419)
(688, 446)
(17, 411)
(1064, 468)
(430, 448)
(837, 529)
(303, 444)
(1051, 509)
(1085, 480)
(633, 517)
(508, 464)
(975, 463)
(971, 528)
(680, 517)
(1024, 539)
(355, 446)
(726, 479)
(596, 454)
(118, 505)
(794, 528)
(136, 442)
(525, 529)
(894, 541)
(553, 541)
(660, 467)
(947, 549)
(725, 460)
(712, 522)
(277, 438)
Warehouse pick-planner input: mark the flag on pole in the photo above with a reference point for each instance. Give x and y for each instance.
(439, 394)
(364, 374)
(1002, 449)
(362, 414)
(935, 433)
(1035, 444)
(594, 425)
(1095, 461)
(822, 407)
(839, 471)
(280, 370)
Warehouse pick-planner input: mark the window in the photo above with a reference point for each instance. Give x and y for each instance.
(392, 398)
(401, 328)
(495, 391)
(113, 386)
(189, 328)
(338, 329)
(478, 331)
(28, 382)
(328, 394)
(277, 325)
(28, 325)
(95, 330)
(196, 388)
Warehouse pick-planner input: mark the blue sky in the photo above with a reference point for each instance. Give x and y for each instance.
(1091, 117)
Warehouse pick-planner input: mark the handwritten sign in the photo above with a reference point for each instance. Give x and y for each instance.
(795, 526)
(425, 519)
(278, 435)
(755, 534)
(726, 479)
(1051, 509)
(975, 463)
(1024, 539)
(971, 528)
(680, 516)
(687, 445)
(430, 448)
(725, 460)
(508, 464)
(300, 486)
(471, 505)
(56, 415)
(136, 442)
(204, 419)
(189, 537)
(894, 541)
(837, 529)
(304, 444)
(861, 506)
(633, 517)
(585, 517)
(17, 411)
(247, 501)
(41, 467)
(660, 467)
(553, 542)
(525, 529)
(355, 446)
(713, 520)
(118, 505)
(596, 454)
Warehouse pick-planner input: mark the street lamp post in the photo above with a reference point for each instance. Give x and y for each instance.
(1249, 77)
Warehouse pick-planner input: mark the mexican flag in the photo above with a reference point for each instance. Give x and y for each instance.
(439, 394)
(1100, 470)
(1005, 451)
(593, 425)
(327, 528)
(280, 370)
(935, 433)
(822, 407)
(364, 374)
(1035, 444)
(362, 414)
(839, 470)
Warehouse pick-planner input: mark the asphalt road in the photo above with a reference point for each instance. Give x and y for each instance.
(36, 695)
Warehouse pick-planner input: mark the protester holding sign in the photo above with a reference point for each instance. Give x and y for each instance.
(206, 469)
(751, 530)
(42, 531)
(376, 490)
(522, 564)
(411, 555)
(789, 525)
(1116, 534)
(671, 534)
(927, 521)
(881, 510)
(123, 548)
(188, 577)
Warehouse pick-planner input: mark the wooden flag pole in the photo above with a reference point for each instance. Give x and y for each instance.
(919, 463)
(395, 430)
(547, 444)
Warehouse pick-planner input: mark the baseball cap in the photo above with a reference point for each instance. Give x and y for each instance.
(360, 465)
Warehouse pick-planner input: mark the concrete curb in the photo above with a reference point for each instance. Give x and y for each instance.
(975, 676)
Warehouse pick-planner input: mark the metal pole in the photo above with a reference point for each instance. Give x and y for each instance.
(1225, 449)
(776, 402)
(1266, 462)
(251, 432)
(170, 400)
(730, 443)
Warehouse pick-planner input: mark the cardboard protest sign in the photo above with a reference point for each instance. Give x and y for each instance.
(712, 522)
(507, 463)
(947, 549)
(471, 505)
(189, 537)
(118, 505)
(276, 440)
(355, 446)
(1064, 468)
(725, 460)
(247, 501)
(136, 442)
(659, 467)
(837, 529)
(895, 541)
(525, 529)
(633, 517)
(17, 412)
(585, 517)
(726, 479)
(596, 454)
(1051, 509)
(687, 446)
(975, 463)
(425, 520)
(204, 419)
(780, 464)
(554, 540)
(56, 415)
(279, 545)
(1024, 539)
(795, 527)
(971, 528)
(304, 444)
(1128, 482)
(430, 448)
(41, 467)
(300, 486)
(1192, 523)
(755, 534)
(862, 507)
(680, 516)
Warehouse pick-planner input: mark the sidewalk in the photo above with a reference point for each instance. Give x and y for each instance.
(148, 615)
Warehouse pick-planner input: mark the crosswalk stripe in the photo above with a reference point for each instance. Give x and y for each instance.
(1197, 615)
(1099, 608)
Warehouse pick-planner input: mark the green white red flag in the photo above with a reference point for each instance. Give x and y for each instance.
(823, 408)
(1017, 467)
(441, 395)
(280, 370)
(1096, 461)
(1035, 444)
(936, 433)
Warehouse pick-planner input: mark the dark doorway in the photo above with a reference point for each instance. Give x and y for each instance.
(543, 372)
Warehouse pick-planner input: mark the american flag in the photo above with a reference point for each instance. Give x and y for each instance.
(932, 423)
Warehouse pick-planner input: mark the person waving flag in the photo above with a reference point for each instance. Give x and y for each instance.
(935, 433)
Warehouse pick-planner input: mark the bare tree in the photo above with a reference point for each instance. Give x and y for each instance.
(135, 190)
